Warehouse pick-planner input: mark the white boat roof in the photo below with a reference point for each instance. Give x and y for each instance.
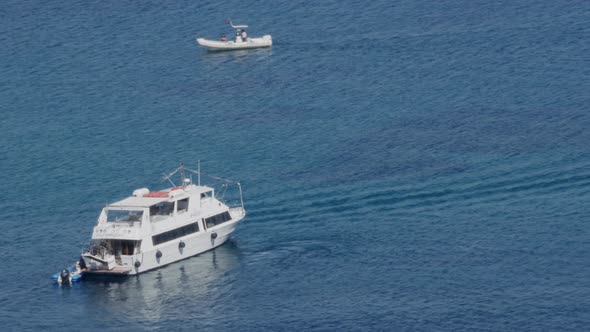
(139, 202)
(160, 196)
(240, 26)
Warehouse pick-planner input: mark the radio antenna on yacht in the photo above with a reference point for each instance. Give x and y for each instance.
(167, 177)
(199, 172)
(181, 168)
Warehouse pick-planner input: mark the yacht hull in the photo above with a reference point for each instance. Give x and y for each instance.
(170, 252)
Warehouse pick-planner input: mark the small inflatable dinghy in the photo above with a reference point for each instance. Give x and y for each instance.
(215, 45)
(241, 41)
(68, 276)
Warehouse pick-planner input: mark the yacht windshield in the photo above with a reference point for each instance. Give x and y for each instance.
(124, 215)
(161, 210)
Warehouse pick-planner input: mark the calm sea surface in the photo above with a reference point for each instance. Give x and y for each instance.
(408, 165)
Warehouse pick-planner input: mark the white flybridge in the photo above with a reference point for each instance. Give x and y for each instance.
(241, 41)
(150, 229)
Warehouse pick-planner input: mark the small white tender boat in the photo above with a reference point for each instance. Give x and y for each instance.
(241, 41)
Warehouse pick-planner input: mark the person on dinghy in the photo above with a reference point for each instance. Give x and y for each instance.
(64, 278)
(244, 36)
(223, 38)
(81, 264)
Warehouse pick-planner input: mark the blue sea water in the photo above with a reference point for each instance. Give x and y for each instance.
(408, 165)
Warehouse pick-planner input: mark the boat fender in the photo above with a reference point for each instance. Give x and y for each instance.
(181, 245)
(158, 254)
(214, 235)
(137, 264)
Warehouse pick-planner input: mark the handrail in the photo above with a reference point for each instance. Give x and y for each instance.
(241, 196)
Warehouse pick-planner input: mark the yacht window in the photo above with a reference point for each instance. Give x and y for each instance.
(206, 195)
(182, 205)
(114, 247)
(124, 215)
(175, 233)
(123, 247)
(161, 209)
(217, 219)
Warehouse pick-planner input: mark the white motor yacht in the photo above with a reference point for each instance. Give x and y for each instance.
(150, 229)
